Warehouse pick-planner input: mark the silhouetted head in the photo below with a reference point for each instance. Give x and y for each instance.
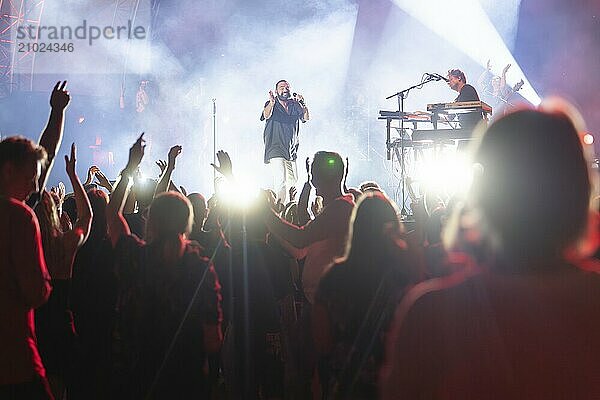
(170, 216)
(21, 162)
(99, 203)
(144, 192)
(375, 229)
(533, 189)
(327, 171)
(369, 185)
(199, 206)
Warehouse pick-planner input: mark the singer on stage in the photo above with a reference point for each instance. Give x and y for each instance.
(283, 114)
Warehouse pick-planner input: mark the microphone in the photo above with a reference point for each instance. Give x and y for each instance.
(441, 77)
(299, 101)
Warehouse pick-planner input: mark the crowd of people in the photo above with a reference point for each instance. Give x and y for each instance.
(138, 290)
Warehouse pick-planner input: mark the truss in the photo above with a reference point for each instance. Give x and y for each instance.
(13, 14)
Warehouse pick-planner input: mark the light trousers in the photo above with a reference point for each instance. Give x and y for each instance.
(285, 175)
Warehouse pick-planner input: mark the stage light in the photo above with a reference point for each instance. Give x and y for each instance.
(445, 175)
(241, 194)
(588, 138)
(466, 25)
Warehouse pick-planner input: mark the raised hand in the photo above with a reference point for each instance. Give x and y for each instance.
(70, 162)
(59, 191)
(299, 98)
(91, 173)
(489, 65)
(103, 180)
(506, 68)
(292, 193)
(62, 191)
(162, 164)
(271, 96)
(136, 153)
(224, 166)
(317, 206)
(173, 153)
(60, 98)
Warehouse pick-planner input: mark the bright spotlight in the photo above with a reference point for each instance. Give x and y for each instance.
(445, 176)
(466, 25)
(588, 138)
(241, 194)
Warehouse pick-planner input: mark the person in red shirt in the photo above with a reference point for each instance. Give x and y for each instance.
(24, 279)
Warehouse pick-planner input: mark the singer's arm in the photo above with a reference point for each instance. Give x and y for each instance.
(305, 116)
(268, 110)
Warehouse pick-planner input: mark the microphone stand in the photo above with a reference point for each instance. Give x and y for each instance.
(401, 95)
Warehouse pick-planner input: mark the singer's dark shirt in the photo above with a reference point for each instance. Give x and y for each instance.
(469, 120)
(281, 131)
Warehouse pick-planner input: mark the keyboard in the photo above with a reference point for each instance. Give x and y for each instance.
(460, 107)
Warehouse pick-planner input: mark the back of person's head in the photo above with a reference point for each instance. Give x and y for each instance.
(19, 151)
(533, 190)
(327, 169)
(18, 159)
(99, 203)
(170, 215)
(374, 229)
(200, 209)
(356, 193)
(369, 185)
(144, 189)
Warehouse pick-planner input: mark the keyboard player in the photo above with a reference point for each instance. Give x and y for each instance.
(457, 81)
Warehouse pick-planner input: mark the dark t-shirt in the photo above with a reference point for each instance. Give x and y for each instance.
(281, 131)
(360, 308)
(469, 120)
(153, 300)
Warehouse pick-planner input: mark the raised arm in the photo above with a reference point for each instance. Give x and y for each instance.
(117, 225)
(503, 77)
(163, 166)
(325, 225)
(103, 181)
(268, 109)
(300, 99)
(52, 135)
(165, 179)
(303, 214)
(485, 76)
(81, 229)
